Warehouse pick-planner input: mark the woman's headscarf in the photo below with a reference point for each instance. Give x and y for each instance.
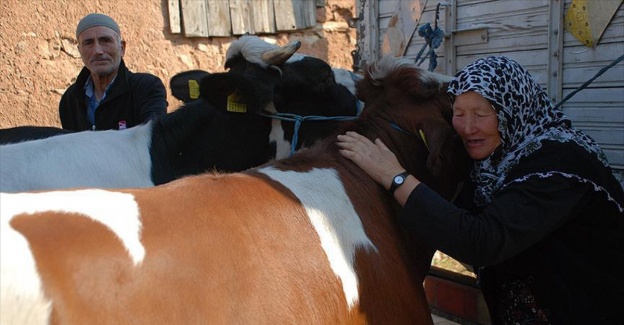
(526, 118)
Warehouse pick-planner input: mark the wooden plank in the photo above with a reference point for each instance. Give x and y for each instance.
(413, 12)
(595, 115)
(194, 18)
(485, 8)
(450, 64)
(219, 18)
(471, 36)
(386, 8)
(401, 27)
(294, 14)
(240, 12)
(611, 138)
(615, 157)
(577, 74)
(507, 22)
(173, 7)
(587, 100)
(534, 61)
(521, 26)
(555, 50)
(263, 16)
(308, 13)
(368, 32)
(285, 15)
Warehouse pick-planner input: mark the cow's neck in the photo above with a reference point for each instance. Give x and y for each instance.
(376, 208)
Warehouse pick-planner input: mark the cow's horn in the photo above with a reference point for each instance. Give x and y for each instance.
(279, 55)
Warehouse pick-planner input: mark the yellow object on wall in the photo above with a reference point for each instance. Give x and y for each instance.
(588, 19)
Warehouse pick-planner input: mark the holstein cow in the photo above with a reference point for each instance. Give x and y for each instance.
(222, 130)
(309, 239)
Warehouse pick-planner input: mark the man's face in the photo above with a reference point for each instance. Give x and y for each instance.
(101, 50)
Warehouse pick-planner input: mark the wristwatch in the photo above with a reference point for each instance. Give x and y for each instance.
(397, 181)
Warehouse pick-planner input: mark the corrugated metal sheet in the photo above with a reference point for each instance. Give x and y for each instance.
(523, 31)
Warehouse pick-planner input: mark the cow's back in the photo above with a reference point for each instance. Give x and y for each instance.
(206, 250)
(212, 249)
(106, 159)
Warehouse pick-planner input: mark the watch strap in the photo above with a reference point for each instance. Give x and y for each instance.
(394, 185)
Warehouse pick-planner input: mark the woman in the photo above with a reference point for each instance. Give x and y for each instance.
(543, 217)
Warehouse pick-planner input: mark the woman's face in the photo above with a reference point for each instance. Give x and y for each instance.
(476, 122)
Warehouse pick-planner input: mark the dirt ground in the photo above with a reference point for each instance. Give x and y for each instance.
(446, 262)
(39, 59)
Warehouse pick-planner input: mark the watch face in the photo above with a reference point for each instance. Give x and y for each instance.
(399, 179)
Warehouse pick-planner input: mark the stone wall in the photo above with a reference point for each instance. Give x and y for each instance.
(39, 58)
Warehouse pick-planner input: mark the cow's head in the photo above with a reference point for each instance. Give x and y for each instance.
(414, 103)
(226, 125)
(266, 79)
(308, 88)
(409, 110)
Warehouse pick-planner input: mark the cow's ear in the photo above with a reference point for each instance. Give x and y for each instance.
(420, 84)
(185, 85)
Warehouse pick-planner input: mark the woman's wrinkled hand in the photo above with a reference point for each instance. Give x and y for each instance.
(375, 158)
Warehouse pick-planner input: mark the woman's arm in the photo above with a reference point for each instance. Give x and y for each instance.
(519, 216)
(377, 161)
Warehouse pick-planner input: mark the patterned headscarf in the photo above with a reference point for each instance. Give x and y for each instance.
(526, 118)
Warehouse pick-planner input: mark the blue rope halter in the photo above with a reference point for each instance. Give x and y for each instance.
(298, 119)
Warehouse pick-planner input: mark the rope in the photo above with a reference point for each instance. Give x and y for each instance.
(583, 86)
(298, 119)
(433, 38)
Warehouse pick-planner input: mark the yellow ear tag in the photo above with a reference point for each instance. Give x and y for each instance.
(422, 136)
(193, 89)
(234, 105)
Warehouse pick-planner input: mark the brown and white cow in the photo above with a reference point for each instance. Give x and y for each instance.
(306, 240)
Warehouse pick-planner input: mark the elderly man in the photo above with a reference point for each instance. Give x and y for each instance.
(106, 95)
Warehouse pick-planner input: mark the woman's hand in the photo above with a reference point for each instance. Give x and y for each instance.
(375, 158)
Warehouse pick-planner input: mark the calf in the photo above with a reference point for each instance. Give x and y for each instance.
(308, 239)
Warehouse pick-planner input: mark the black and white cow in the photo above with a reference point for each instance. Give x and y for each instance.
(226, 129)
